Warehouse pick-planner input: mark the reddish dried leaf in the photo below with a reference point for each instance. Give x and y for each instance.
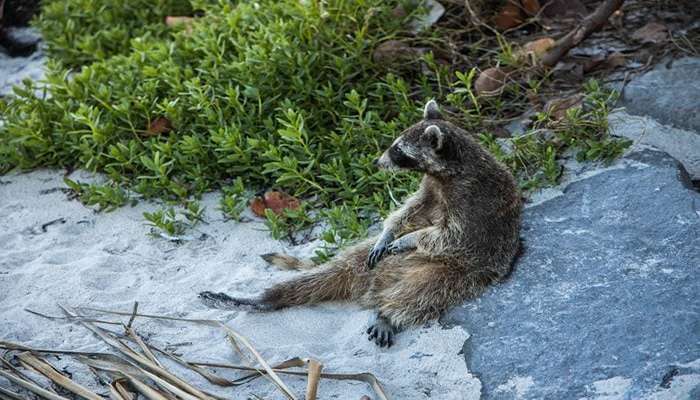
(158, 126)
(653, 32)
(531, 7)
(510, 16)
(615, 60)
(257, 206)
(275, 201)
(490, 81)
(593, 62)
(604, 62)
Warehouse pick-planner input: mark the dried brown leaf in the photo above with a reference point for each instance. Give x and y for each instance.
(158, 126)
(556, 108)
(615, 60)
(275, 201)
(533, 50)
(653, 32)
(509, 16)
(490, 82)
(531, 7)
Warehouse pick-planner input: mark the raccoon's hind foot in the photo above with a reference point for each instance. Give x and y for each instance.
(224, 301)
(382, 332)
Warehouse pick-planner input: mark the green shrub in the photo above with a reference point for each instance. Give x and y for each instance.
(279, 93)
(78, 32)
(106, 197)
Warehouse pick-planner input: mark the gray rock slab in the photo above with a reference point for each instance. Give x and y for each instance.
(604, 302)
(645, 131)
(670, 95)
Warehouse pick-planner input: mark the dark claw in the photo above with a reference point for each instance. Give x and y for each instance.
(379, 250)
(375, 255)
(382, 333)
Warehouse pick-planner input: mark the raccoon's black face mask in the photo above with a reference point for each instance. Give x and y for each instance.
(401, 159)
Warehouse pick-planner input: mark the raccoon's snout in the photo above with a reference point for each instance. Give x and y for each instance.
(384, 162)
(375, 162)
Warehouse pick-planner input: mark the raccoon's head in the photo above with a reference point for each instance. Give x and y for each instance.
(427, 146)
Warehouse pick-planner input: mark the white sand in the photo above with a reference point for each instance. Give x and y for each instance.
(109, 260)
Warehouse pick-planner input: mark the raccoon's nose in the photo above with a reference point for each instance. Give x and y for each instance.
(375, 162)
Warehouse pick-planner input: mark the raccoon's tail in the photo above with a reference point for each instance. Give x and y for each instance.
(224, 301)
(284, 261)
(331, 284)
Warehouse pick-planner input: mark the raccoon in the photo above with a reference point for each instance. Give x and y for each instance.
(458, 233)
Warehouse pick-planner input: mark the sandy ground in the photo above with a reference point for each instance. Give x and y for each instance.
(109, 260)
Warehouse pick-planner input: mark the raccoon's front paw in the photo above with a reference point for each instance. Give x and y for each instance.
(406, 242)
(379, 250)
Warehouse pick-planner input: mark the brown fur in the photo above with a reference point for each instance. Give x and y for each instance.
(464, 224)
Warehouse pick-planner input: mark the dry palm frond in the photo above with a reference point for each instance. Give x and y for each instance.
(31, 386)
(230, 333)
(314, 378)
(51, 373)
(136, 368)
(7, 394)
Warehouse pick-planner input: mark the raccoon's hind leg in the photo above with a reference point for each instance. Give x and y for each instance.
(420, 290)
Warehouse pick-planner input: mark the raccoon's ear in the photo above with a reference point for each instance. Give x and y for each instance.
(435, 137)
(431, 110)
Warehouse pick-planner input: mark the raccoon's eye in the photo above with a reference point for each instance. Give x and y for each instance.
(401, 159)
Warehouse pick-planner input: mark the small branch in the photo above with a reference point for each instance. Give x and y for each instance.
(590, 24)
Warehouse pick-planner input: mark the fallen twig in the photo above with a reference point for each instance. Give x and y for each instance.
(590, 24)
